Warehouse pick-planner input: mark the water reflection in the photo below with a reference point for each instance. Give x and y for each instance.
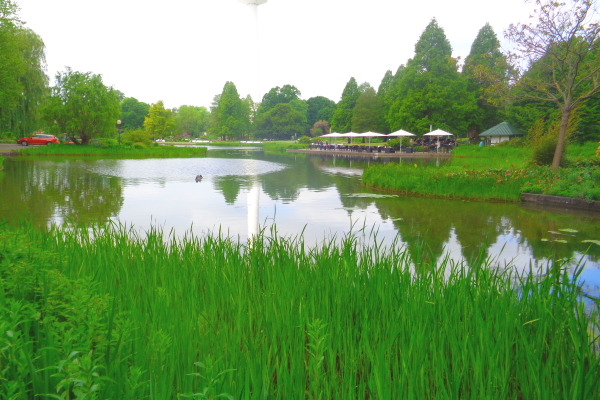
(311, 194)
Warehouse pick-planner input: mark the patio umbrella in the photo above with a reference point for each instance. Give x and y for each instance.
(401, 133)
(438, 133)
(370, 135)
(350, 135)
(334, 135)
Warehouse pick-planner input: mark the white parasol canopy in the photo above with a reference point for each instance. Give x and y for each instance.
(401, 133)
(438, 132)
(370, 135)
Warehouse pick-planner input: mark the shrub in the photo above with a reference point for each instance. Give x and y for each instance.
(112, 143)
(394, 143)
(543, 150)
(304, 140)
(136, 136)
(532, 190)
(139, 145)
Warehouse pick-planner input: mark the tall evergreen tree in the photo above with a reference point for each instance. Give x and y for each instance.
(368, 113)
(229, 120)
(430, 90)
(485, 68)
(342, 117)
(278, 95)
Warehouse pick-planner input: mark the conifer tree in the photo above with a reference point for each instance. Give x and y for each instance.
(341, 121)
(430, 90)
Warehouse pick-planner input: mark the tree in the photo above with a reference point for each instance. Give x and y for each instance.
(228, 118)
(341, 120)
(160, 122)
(192, 120)
(368, 113)
(430, 90)
(319, 109)
(133, 113)
(278, 95)
(561, 47)
(485, 68)
(283, 121)
(82, 106)
(320, 128)
(23, 81)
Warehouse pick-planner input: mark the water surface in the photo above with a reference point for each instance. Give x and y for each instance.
(319, 196)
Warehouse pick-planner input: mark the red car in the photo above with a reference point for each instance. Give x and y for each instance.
(38, 139)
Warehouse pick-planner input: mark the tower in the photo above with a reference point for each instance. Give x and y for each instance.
(254, 192)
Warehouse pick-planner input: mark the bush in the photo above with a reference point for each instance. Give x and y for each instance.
(136, 136)
(543, 150)
(139, 145)
(394, 144)
(532, 190)
(111, 143)
(304, 140)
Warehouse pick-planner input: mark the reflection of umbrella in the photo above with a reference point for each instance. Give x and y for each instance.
(401, 133)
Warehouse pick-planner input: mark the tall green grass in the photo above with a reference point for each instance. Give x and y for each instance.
(495, 157)
(98, 150)
(106, 313)
(1, 162)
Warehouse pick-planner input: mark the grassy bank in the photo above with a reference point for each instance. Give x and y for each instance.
(1, 162)
(492, 174)
(100, 150)
(108, 314)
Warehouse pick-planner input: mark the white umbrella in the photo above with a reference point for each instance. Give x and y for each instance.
(438, 132)
(334, 135)
(370, 135)
(401, 133)
(351, 135)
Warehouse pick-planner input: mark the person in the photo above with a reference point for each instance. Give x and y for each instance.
(481, 143)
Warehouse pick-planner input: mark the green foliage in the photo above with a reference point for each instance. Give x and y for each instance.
(301, 140)
(192, 120)
(228, 118)
(543, 150)
(278, 95)
(111, 150)
(486, 70)
(82, 106)
(76, 320)
(23, 80)
(319, 109)
(137, 136)
(430, 90)
(281, 122)
(133, 113)
(341, 121)
(320, 128)
(160, 122)
(559, 46)
(368, 113)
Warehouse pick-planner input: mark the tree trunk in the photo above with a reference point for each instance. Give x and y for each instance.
(562, 133)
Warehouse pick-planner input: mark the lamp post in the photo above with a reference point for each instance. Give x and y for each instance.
(119, 129)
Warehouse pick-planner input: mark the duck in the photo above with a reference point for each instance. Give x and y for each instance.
(198, 178)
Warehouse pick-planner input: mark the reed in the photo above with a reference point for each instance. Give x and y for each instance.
(110, 313)
(99, 150)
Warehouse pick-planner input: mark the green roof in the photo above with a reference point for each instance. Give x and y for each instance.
(503, 129)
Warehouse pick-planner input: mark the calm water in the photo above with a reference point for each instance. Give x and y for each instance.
(320, 196)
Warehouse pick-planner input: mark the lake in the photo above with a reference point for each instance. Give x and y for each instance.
(317, 196)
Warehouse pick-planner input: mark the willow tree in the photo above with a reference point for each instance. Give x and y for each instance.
(23, 81)
(82, 106)
(557, 60)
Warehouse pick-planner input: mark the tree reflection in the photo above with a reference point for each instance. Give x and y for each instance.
(49, 190)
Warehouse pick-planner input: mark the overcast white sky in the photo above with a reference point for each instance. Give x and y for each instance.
(183, 51)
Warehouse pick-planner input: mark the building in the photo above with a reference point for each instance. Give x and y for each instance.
(501, 132)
